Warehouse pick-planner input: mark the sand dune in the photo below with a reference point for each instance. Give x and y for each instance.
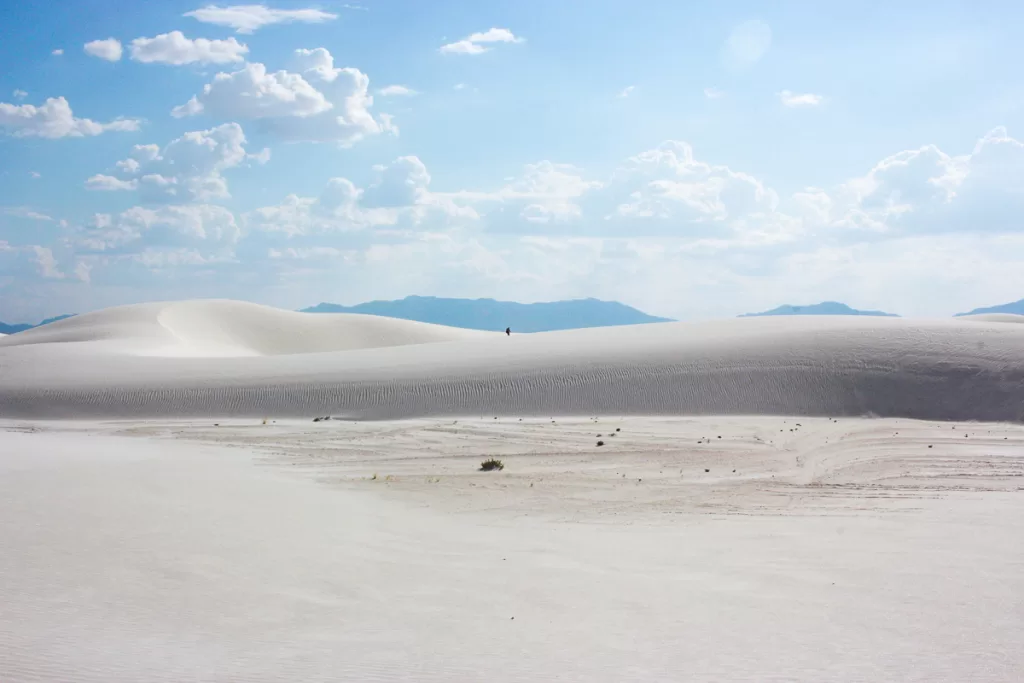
(219, 328)
(233, 359)
(995, 318)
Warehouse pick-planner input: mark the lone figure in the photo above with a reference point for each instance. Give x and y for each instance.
(508, 331)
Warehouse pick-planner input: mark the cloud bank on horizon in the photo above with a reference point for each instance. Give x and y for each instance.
(288, 154)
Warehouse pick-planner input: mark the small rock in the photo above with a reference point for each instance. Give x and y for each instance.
(706, 470)
(600, 443)
(929, 445)
(618, 429)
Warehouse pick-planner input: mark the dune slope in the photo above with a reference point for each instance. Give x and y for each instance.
(255, 366)
(219, 328)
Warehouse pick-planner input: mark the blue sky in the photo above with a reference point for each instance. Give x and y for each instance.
(696, 160)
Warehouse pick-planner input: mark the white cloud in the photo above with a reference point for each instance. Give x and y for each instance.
(58, 52)
(109, 183)
(253, 93)
(249, 18)
(747, 44)
(261, 157)
(47, 263)
(54, 119)
(476, 43)
(320, 104)
(310, 254)
(175, 48)
(927, 190)
(108, 49)
(459, 86)
(140, 227)
(792, 99)
(396, 90)
(25, 212)
(35, 174)
(399, 198)
(668, 183)
(187, 169)
(83, 272)
(923, 231)
(626, 91)
(20, 94)
(713, 93)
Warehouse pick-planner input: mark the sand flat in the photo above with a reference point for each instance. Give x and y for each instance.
(845, 551)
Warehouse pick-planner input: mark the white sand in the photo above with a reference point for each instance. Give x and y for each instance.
(228, 358)
(839, 551)
(685, 548)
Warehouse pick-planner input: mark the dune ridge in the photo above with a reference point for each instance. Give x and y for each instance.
(231, 359)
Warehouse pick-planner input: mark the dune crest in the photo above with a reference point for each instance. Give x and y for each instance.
(234, 359)
(223, 328)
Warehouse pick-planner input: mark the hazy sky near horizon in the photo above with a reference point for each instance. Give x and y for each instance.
(695, 160)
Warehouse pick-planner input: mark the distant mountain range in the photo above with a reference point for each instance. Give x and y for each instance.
(824, 308)
(1017, 308)
(488, 314)
(21, 327)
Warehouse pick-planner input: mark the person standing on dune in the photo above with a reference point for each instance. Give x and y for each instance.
(508, 331)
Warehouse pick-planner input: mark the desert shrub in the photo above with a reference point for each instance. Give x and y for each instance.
(600, 443)
(492, 464)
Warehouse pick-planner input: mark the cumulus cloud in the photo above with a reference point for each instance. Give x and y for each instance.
(109, 183)
(673, 184)
(174, 48)
(929, 190)
(792, 99)
(20, 94)
(250, 18)
(54, 119)
(661, 222)
(58, 52)
(316, 103)
(399, 197)
(396, 90)
(83, 272)
(47, 263)
(187, 169)
(108, 49)
(747, 44)
(177, 226)
(476, 43)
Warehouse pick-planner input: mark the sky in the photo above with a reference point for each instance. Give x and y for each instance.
(696, 160)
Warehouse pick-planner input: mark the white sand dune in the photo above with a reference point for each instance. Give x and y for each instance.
(233, 359)
(219, 328)
(995, 318)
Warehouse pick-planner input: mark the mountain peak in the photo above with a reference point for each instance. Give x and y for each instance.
(490, 314)
(824, 308)
(1016, 307)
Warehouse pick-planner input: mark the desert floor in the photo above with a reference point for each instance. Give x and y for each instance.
(757, 549)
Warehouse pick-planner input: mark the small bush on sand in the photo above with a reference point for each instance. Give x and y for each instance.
(492, 464)
(600, 443)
